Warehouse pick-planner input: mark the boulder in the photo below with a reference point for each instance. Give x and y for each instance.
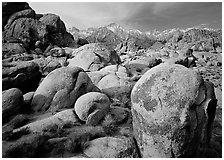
(112, 147)
(57, 121)
(172, 110)
(27, 13)
(114, 87)
(16, 122)
(94, 56)
(95, 76)
(19, 57)
(115, 83)
(52, 65)
(49, 64)
(27, 100)
(16, 74)
(56, 27)
(9, 49)
(8, 8)
(79, 137)
(69, 50)
(61, 88)
(141, 64)
(28, 31)
(92, 107)
(12, 102)
(54, 23)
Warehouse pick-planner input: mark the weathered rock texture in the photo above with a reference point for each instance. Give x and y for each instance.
(113, 81)
(92, 57)
(61, 88)
(173, 110)
(112, 147)
(12, 102)
(92, 107)
(23, 75)
(66, 117)
(22, 25)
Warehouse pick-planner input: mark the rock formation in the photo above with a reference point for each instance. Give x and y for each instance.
(108, 92)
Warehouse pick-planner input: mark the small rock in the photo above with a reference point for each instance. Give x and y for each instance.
(28, 98)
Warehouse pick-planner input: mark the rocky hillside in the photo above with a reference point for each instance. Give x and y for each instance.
(107, 92)
(196, 38)
(200, 39)
(116, 37)
(25, 30)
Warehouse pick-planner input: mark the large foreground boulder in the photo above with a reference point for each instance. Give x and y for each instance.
(173, 110)
(61, 88)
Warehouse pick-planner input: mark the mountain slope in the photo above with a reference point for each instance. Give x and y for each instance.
(126, 40)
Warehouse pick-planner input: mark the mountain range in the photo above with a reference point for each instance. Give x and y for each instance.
(117, 36)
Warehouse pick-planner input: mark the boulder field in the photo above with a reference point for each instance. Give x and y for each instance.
(107, 92)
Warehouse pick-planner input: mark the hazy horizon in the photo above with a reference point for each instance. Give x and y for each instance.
(144, 16)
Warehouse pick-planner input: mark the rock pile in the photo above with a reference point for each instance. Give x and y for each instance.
(83, 98)
(22, 26)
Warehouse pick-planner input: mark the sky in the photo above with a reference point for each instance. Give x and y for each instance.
(144, 16)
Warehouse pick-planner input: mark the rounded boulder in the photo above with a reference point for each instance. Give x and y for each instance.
(92, 107)
(168, 118)
(61, 88)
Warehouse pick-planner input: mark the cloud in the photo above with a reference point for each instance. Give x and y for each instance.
(140, 15)
(161, 8)
(175, 15)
